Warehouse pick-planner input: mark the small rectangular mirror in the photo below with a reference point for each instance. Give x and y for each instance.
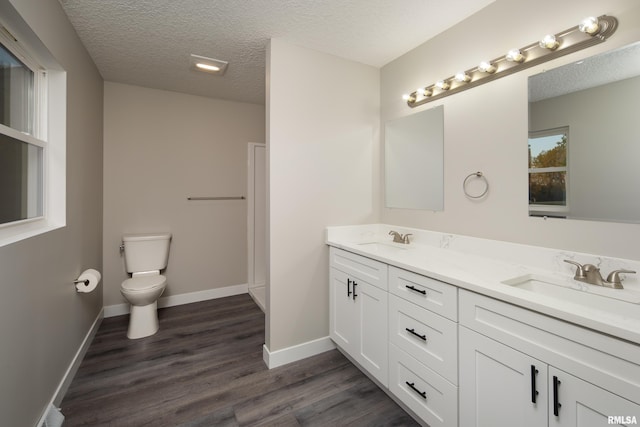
(414, 161)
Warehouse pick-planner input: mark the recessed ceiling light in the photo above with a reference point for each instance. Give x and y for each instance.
(208, 65)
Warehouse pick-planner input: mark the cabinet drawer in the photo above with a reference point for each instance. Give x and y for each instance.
(431, 397)
(369, 270)
(430, 338)
(434, 295)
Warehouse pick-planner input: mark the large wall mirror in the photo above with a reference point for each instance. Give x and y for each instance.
(584, 139)
(414, 164)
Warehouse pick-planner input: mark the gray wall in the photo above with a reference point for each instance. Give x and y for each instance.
(43, 321)
(159, 148)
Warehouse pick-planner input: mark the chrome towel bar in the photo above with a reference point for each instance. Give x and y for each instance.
(217, 198)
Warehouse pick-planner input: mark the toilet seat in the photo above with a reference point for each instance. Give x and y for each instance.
(144, 283)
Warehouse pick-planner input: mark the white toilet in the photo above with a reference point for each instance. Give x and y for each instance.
(145, 255)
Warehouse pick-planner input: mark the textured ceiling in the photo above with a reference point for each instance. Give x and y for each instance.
(595, 71)
(148, 42)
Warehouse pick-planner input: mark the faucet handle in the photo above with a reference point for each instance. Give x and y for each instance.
(405, 238)
(579, 269)
(614, 277)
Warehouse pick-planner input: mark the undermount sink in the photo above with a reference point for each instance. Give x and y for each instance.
(384, 246)
(576, 292)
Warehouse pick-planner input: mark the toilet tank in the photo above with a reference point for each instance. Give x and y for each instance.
(146, 252)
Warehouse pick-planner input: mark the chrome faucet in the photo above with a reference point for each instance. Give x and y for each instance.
(400, 238)
(590, 274)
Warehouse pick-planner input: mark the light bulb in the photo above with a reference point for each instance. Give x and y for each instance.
(462, 77)
(549, 42)
(514, 55)
(405, 97)
(589, 25)
(441, 84)
(420, 91)
(487, 67)
(426, 92)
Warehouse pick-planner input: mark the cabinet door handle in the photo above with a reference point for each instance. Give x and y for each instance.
(534, 392)
(348, 288)
(413, 331)
(422, 394)
(556, 402)
(414, 289)
(354, 289)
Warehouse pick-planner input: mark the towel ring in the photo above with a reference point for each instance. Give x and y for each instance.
(479, 175)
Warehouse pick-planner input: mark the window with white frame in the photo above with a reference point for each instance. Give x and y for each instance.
(22, 142)
(548, 172)
(32, 132)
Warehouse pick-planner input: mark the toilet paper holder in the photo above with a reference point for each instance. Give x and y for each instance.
(86, 282)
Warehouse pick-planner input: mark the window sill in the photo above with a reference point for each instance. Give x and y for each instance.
(26, 229)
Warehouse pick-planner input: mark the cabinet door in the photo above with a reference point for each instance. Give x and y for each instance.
(499, 386)
(373, 327)
(343, 316)
(577, 403)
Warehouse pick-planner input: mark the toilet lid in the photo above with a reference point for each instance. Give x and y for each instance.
(142, 283)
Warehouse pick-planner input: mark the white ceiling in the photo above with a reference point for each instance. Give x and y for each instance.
(148, 42)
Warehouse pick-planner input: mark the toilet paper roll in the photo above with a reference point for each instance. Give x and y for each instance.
(92, 276)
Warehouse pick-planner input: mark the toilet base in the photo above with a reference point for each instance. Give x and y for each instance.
(143, 321)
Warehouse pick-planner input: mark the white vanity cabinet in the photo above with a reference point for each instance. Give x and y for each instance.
(406, 337)
(459, 358)
(358, 310)
(518, 367)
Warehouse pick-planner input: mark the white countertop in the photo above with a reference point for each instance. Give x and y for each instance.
(451, 259)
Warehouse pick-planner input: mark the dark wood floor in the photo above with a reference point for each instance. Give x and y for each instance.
(204, 368)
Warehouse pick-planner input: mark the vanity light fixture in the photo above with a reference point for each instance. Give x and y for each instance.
(589, 32)
(208, 65)
(462, 77)
(589, 25)
(423, 91)
(514, 55)
(442, 85)
(410, 97)
(487, 67)
(549, 42)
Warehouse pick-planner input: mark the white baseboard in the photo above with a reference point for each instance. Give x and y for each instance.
(273, 359)
(188, 298)
(73, 367)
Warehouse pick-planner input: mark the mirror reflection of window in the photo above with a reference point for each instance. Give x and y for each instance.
(598, 98)
(548, 172)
